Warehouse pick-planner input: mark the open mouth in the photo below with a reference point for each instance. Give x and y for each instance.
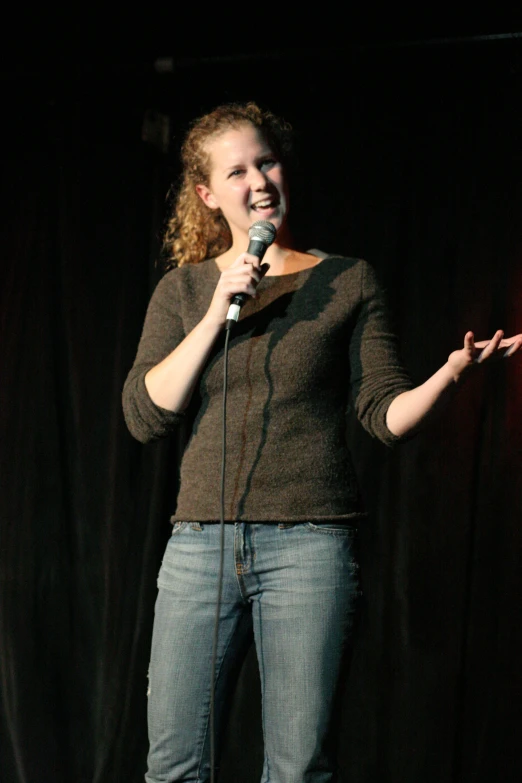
(265, 204)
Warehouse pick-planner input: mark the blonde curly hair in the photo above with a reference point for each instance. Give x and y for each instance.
(194, 232)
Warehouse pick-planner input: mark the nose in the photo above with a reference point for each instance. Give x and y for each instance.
(257, 179)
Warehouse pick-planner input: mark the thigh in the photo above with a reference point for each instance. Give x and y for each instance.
(303, 617)
(181, 653)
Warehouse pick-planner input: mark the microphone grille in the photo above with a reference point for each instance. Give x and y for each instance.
(263, 230)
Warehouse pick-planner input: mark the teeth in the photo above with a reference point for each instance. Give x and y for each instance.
(263, 204)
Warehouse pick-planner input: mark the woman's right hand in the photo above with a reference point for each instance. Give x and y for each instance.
(241, 277)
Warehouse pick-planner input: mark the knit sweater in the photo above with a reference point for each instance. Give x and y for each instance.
(310, 343)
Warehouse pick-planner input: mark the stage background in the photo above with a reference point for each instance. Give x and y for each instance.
(410, 157)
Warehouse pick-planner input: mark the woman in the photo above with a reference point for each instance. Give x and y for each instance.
(312, 331)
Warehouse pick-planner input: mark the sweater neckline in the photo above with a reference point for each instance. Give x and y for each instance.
(287, 275)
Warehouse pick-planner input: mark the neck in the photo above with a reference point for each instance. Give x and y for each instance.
(283, 259)
(275, 254)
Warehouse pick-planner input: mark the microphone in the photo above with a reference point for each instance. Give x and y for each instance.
(262, 233)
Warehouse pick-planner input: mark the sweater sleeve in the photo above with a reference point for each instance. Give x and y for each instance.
(377, 372)
(162, 332)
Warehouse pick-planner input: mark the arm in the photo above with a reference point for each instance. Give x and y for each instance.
(162, 332)
(377, 373)
(414, 408)
(168, 362)
(171, 383)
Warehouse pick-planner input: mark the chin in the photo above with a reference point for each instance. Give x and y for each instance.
(280, 222)
(274, 216)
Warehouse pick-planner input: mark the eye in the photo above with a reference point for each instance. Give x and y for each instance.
(268, 163)
(236, 172)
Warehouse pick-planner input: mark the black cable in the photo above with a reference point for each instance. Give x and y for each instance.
(221, 558)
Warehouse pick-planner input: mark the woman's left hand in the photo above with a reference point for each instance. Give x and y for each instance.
(483, 352)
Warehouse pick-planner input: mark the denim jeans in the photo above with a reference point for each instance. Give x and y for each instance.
(297, 586)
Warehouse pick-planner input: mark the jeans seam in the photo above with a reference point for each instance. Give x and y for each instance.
(207, 730)
(261, 665)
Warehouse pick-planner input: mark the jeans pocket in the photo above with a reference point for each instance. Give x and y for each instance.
(178, 526)
(333, 529)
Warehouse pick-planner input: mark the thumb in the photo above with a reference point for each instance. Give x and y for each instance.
(469, 342)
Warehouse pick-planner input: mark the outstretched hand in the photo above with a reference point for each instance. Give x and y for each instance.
(483, 352)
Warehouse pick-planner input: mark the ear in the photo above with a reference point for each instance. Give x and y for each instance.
(206, 196)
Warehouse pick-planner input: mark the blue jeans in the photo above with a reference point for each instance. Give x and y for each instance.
(296, 585)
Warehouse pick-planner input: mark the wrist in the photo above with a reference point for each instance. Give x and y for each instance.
(456, 374)
(211, 324)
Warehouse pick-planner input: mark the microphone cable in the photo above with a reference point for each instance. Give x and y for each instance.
(221, 560)
(261, 234)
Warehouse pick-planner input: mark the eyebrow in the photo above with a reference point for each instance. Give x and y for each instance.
(259, 159)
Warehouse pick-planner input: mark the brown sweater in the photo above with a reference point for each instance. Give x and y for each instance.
(300, 349)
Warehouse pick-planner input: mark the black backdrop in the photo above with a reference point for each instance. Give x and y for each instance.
(410, 157)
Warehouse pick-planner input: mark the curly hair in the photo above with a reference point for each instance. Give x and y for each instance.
(193, 231)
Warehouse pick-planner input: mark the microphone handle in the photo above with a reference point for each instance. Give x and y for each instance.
(256, 247)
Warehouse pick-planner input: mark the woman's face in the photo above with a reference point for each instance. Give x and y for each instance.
(246, 180)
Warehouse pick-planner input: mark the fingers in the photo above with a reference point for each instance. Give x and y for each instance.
(240, 284)
(497, 347)
(489, 347)
(241, 277)
(246, 258)
(485, 350)
(516, 344)
(469, 341)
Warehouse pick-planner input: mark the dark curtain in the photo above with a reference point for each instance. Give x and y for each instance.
(409, 157)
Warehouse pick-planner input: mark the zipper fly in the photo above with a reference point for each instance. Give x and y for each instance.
(244, 553)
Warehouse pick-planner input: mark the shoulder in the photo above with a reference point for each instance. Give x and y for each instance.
(353, 269)
(182, 279)
(340, 259)
(352, 277)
